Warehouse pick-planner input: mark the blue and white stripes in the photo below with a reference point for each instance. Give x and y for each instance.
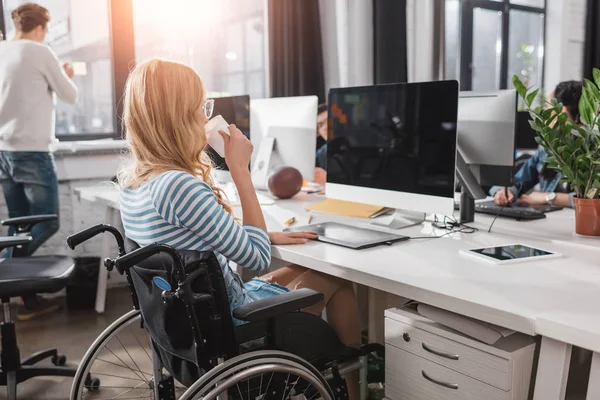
(180, 210)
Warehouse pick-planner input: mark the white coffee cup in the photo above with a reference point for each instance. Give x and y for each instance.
(213, 137)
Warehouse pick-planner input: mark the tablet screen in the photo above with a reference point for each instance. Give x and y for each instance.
(511, 252)
(349, 236)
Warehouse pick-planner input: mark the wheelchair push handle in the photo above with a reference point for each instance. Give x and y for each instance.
(86, 234)
(129, 260)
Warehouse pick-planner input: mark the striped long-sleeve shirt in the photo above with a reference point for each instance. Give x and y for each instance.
(180, 210)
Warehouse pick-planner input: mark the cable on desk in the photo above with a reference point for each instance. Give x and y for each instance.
(451, 225)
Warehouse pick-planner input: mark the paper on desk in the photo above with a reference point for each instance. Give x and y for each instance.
(482, 331)
(286, 218)
(346, 208)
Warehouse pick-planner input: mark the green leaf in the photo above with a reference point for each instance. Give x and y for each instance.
(593, 89)
(521, 89)
(597, 76)
(587, 115)
(562, 118)
(531, 97)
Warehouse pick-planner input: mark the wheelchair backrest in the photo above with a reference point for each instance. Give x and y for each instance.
(169, 323)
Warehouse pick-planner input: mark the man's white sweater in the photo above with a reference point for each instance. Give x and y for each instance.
(30, 79)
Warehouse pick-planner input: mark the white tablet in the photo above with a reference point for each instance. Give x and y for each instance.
(510, 254)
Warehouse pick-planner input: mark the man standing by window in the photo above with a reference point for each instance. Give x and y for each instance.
(30, 78)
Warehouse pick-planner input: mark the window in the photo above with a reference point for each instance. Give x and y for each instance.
(489, 41)
(222, 40)
(79, 33)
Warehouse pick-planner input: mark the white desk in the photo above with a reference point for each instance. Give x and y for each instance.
(528, 297)
(107, 196)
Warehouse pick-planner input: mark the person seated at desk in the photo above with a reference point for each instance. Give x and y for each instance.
(536, 171)
(321, 162)
(169, 197)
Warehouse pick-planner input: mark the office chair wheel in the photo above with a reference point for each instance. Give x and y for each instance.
(118, 364)
(59, 360)
(262, 375)
(92, 384)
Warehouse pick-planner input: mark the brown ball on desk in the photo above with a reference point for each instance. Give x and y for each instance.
(285, 183)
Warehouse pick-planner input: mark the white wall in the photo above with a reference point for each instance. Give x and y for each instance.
(565, 36)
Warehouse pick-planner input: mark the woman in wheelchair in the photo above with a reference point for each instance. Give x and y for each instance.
(169, 197)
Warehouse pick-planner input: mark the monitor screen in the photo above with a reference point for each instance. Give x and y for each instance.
(397, 137)
(235, 110)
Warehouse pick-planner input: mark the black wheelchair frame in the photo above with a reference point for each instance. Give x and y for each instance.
(267, 320)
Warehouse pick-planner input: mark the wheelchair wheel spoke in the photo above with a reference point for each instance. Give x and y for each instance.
(127, 365)
(268, 384)
(122, 366)
(126, 351)
(239, 391)
(285, 386)
(119, 377)
(141, 345)
(293, 387)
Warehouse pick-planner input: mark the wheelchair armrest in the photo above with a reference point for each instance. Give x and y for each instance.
(277, 305)
(24, 224)
(12, 241)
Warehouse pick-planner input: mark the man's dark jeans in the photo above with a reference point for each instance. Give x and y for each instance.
(30, 187)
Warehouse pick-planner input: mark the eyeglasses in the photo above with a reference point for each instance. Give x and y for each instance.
(208, 108)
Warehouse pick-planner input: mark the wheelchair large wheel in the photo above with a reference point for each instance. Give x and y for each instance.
(262, 375)
(119, 364)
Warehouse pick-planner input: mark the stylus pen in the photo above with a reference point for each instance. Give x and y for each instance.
(506, 193)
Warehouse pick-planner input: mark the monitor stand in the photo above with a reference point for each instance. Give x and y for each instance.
(400, 219)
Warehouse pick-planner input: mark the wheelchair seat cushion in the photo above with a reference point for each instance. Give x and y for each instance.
(31, 275)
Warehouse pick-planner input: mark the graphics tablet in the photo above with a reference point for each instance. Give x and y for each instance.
(349, 236)
(509, 254)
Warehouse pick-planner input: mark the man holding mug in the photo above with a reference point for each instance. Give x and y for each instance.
(30, 79)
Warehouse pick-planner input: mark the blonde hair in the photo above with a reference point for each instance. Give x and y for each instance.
(164, 123)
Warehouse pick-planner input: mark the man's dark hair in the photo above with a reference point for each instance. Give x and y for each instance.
(569, 93)
(322, 108)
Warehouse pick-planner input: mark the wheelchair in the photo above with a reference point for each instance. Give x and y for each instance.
(180, 342)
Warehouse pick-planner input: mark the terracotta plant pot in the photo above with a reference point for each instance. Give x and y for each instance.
(587, 217)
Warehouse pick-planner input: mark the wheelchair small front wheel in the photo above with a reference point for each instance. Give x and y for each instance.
(262, 375)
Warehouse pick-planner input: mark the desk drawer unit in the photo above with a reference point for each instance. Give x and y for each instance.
(409, 377)
(425, 360)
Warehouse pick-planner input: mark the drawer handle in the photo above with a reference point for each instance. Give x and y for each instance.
(440, 383)
(438, 353)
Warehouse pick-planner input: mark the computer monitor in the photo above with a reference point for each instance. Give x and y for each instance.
(283, 133)
(525, 135)
(486, 135)
(486, 145)
(394, 145)
(235, 110)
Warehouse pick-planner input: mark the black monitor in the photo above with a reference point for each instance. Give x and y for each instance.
(235, 110)
(525, 135)
(394, 145)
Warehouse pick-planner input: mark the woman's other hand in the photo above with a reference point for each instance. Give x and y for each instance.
(282, 238)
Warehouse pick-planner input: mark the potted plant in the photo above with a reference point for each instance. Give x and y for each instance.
(572, 149)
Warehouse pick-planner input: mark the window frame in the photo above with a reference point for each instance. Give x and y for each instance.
(466, 35)
(122, 53)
